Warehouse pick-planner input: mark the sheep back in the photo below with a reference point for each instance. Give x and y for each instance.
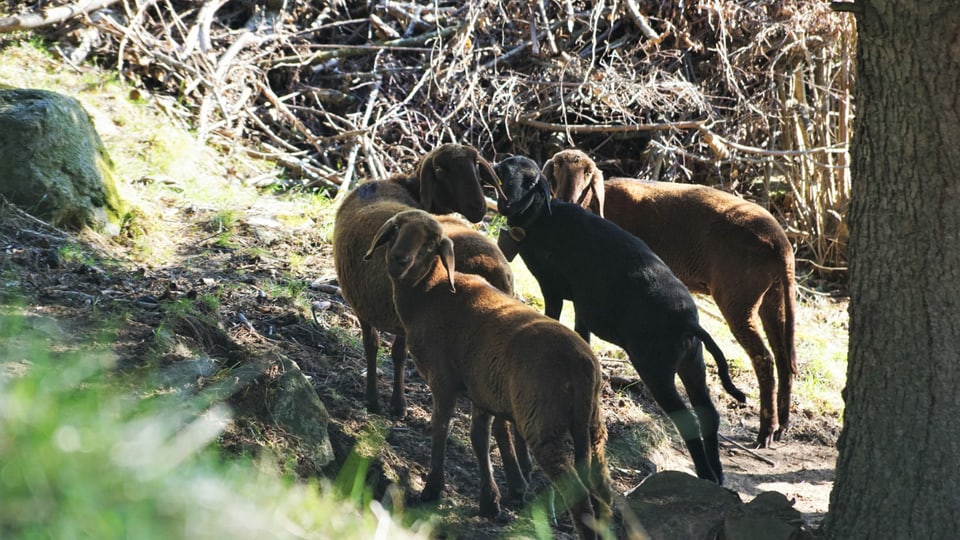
(711, 233)
(365, 285)
(476, 254)
(506, 357)
(578, 255)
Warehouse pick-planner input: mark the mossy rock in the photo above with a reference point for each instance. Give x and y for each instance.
(53, 163)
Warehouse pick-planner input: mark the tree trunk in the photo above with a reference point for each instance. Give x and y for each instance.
(898, 471)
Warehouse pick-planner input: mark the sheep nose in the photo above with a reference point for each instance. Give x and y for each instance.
(401, 259)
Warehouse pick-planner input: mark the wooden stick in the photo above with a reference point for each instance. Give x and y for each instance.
(528, 120)
(748, 450)
(55, 15)
(362, 49)
(638, 18)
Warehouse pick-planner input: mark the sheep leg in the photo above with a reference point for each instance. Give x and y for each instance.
(660, 382)
(741, 314)
(784, 391)
(580, 327)
(693, 375)
(776, 313)
(398, 402)
(552, 305)
(513, 453)
(443, 408)
(557, 465)
(589, 440)
(371, 344)
(480, 439)
(523, 453)
(600, 484)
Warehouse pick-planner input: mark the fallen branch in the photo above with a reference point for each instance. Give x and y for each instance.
(748, 450)
(30, 21)
(640, 20)
(355, 50)
(528, 120)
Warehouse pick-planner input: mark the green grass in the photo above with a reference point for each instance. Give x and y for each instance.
(83, 459)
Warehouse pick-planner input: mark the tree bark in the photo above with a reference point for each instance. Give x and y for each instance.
(898, 471)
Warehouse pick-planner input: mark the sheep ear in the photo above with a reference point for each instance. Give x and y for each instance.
(548, 173)
(489, 176)
(384, 235)
(428, 183)
(446, 257)
(545, 186)
(596, 184)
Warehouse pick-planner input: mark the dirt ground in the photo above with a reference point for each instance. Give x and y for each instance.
(315, 329)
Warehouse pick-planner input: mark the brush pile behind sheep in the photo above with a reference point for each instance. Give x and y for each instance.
(717, 244)
(622, 292)
(471, 339)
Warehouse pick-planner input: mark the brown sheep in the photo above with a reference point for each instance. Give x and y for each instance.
(717, 244)
(469, 338)
(448, 179)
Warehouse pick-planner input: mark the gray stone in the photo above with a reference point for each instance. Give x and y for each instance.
(53, 164)
(297, 408)
(672, 505)
(769, 516)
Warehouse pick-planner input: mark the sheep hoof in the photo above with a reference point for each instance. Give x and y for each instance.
(515, 500)
(398, 413)
(490, 510)
(763, 441)
(430, 494)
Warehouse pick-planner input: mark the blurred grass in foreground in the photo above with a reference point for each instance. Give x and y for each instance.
(80, 457)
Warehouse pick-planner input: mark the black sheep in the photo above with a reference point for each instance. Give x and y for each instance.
(623, 293)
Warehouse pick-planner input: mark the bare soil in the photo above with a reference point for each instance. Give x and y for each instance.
(317, 330)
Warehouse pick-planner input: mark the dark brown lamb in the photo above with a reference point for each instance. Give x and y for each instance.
(448, 179)
(469, 338)
(717, 244)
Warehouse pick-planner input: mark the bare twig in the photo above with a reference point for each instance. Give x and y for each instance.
(748, 450)
(53, 15)
(365, 49)
(639, 19)
(528, 119)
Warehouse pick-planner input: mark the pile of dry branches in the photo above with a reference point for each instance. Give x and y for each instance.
(750, 96)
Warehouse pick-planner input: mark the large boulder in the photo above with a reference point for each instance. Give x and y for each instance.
(53, 163)
(672, 505)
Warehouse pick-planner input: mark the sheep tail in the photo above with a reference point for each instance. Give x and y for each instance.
(723, 370)
(789, 306)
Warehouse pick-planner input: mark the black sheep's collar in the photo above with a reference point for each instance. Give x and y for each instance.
(511, 236)
(520, 222)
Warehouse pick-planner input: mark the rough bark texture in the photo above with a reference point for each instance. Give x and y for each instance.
(898, 471)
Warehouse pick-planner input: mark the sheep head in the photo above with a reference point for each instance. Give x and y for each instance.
(524, 186)
(414, 239)
(451, 178)
(574, 177)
